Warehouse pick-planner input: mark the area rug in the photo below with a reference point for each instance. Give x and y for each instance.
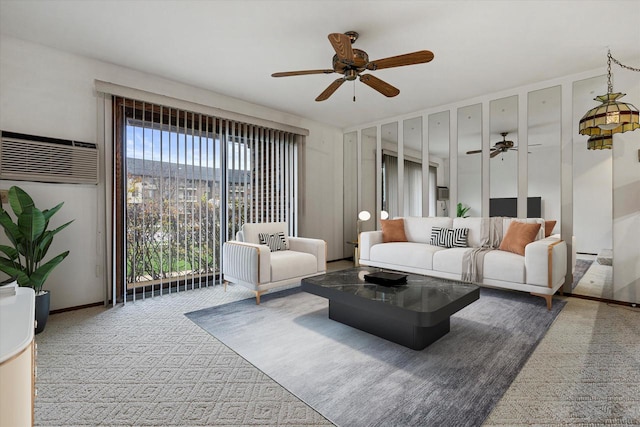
(357, 379)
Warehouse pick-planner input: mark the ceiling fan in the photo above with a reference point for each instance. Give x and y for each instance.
(501, 146)
(352, 62)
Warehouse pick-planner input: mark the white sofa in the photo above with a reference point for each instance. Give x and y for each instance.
(249, 263)
(541, 271)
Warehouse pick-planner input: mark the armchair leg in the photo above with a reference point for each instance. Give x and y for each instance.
(257, 297)
(225, 285)
(548, 298)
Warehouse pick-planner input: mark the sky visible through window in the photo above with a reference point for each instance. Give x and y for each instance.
(183, 149)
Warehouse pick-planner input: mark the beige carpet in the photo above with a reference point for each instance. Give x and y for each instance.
(147, 364)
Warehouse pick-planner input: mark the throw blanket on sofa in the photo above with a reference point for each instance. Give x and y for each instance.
(473, 260)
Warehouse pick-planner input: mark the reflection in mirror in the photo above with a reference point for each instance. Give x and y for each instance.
(470, 159)
(412, 140)
(592, 201)
(439, 164)
(390, 169)
(368, 178)
(543, 159)
(350, 194)
(503, 163)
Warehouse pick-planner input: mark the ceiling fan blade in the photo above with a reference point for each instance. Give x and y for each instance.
(495, 153)
(474, 152)
(301, 73)
(419, 57)
(342, 45)
(329, 90)
(381, 86)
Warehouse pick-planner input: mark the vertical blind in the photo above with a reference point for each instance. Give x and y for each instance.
(187, 182)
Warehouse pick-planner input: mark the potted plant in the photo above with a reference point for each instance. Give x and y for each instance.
(30, 239)
(462, 210)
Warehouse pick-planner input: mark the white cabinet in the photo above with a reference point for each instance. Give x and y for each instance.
(17, 358)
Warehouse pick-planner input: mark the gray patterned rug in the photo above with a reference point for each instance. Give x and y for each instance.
(357, 379)
(582, 265)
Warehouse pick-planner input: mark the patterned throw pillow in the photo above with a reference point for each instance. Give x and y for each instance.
(457, 238)
(449, 238)
(436, 236)
(275, 241)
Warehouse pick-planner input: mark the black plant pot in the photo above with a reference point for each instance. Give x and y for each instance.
(42, 310)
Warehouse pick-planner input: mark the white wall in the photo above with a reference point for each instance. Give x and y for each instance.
(51, 93)
(626, 195)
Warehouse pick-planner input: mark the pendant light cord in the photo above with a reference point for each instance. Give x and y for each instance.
(609, 59)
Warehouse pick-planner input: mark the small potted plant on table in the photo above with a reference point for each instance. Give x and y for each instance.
(30, 239)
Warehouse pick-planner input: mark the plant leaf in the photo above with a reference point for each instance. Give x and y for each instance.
(8, 267)
(19, 200)
(12, 253)
(31, 223)
(10, 228)
(39, 276)
(45, 241)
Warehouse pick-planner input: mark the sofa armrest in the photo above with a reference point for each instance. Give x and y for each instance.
(315, 247)
(248, 262)
(367, 240)
(545, 261)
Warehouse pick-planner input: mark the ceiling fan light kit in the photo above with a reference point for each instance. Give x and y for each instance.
(351, 63)
(612, 116)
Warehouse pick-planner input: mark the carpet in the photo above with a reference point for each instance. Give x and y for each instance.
(356, 379)
(582, 265)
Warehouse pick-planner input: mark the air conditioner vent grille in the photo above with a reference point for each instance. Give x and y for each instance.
(27, 158)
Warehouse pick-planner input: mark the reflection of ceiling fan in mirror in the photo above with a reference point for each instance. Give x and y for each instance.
(352, 62)
(501, 146)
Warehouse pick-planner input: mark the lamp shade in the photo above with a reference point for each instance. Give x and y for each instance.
(610, 117)
(600, 142)
(364, 216)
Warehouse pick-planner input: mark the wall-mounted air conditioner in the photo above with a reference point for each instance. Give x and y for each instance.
(42, 159)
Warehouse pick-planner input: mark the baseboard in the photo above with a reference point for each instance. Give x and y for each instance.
(77, 307)
(608, 301)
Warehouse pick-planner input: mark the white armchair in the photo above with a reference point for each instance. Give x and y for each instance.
(251, 263)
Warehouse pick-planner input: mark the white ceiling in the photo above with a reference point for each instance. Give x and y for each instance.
(232, 47)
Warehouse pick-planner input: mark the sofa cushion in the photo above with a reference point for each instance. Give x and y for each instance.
(418, 229)
(393, 230)
(518, 236)
(474, 224)
(449, 260)
(289, 264)
(407, 254)
(505, 266)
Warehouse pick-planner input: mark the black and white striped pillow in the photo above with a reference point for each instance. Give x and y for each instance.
(275, 241)
(437, 236)
(456, 238)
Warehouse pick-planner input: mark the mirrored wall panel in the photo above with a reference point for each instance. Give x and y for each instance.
(469, 161)
(503, 162)
(412, 140)
(368, 178)
(390, 169)
(439, 164)
(350, 170)
(544, 109)
(592, 201)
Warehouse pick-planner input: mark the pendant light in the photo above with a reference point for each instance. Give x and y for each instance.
(612, 116)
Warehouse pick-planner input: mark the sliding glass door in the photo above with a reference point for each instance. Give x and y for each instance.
(185, 184)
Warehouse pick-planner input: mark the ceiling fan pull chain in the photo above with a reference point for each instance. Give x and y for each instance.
(354, 91)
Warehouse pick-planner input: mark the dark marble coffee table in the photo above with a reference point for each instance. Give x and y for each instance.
(413, 315)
